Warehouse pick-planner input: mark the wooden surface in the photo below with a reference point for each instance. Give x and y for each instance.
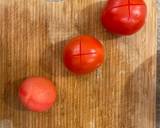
(158, 69)
(121, 94)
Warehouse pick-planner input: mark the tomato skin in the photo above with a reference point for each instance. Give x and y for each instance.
(83, 54)
(124, 17)
(37, 94)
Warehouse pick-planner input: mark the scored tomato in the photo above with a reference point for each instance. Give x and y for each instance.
(124, 17)
(83, 54)
(37, 94)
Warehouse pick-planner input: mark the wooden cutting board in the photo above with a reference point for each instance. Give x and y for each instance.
(121, 94)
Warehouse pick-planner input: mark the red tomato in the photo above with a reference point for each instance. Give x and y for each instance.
(37, 94)
(124, 17)
(83, 54)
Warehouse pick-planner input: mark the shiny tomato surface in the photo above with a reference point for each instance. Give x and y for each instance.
(37, 94)
(83, 54)
(124, 17)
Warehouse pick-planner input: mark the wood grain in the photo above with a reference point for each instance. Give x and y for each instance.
(121, 94)
(158, 70)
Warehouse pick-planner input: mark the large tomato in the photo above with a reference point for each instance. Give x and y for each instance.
(83, 54)
(37, 94)
(124, 17)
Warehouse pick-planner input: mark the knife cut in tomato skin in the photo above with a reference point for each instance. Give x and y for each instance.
(83, 54)
(124, 17)
(37, 94)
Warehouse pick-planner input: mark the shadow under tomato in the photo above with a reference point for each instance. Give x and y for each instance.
(11, 95)
(46, 59)
(89, 22)
(51, 60)
(59, 68)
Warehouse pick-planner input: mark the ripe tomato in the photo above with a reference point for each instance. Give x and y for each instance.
(37, 94)
(83, 54)
(124, 17)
